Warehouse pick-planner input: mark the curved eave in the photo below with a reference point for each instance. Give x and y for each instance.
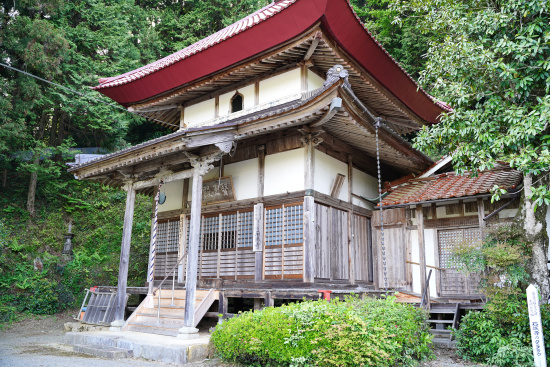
(337, 18)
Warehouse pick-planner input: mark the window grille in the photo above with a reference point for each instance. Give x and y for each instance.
(245, 229)
(210, 233)
(294, 224)
(291, 224)
(229, 231)
(274, 226)
(167, 236)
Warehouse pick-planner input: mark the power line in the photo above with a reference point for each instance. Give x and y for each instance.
(85, 96)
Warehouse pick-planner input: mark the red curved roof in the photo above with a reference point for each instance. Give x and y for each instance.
(265, 29)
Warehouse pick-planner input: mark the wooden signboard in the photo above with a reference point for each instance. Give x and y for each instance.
(218, 190)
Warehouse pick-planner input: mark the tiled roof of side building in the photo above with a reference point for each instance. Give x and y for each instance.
(450, 185)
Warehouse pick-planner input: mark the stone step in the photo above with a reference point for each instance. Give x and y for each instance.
(151, 329)
(440, 332)
(442, 310)
(441, 321)
(104, 351)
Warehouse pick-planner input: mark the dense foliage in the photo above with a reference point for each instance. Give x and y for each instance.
(499, 335)
(35, 277)
(319, 333)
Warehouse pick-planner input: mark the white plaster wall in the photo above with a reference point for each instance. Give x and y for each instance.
(225, 99)
(281, 85)
(173, 191)
(364, 185)
(284, 172)
(314, 81)
(199, 112)
(245, 178)
(326, 168)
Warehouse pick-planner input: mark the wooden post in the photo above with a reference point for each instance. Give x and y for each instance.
(261, 169)
(185, 194)
(124, 257)
(351, 226)
(268, 301)
(421, 248)
(256, 93)
(481, 215)
(309, 164)
(303, 75)
(182, 122)
(258, 241)
(193, 255)
(309, 239)
(222, 306)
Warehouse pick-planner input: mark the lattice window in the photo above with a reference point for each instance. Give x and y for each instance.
(246, 225)
(167, 236)
(229, 231)
(294, 224)
(210, 233)
(274, 226)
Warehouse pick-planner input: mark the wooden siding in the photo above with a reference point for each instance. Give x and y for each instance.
(331, 247)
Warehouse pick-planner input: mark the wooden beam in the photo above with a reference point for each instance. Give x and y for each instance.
(153, 108)
(124, 256)
(313, 46)
(193, 252)
(421, 249)
(309, 239)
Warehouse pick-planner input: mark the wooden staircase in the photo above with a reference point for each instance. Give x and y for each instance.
(443, 317)
(147, 320)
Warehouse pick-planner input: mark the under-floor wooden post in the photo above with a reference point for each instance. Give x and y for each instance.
(124, 257)
(193, 252)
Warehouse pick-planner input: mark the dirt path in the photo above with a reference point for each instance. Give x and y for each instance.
(39, 342)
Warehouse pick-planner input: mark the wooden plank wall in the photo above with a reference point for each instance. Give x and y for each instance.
(395, 246)
(363, 251)
(331, 247)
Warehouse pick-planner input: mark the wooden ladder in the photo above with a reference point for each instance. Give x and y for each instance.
(170, 318)
(442, 317)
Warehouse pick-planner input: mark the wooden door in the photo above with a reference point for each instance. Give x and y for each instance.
(331, 245)
(363, 248)
(454, 282)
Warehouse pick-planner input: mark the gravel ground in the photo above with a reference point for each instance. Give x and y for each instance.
(39, 342)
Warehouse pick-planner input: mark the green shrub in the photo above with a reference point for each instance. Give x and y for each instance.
(352, 333)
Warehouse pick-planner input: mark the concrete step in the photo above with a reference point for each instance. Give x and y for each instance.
(104, 351)
(162, 320)
(153, 329)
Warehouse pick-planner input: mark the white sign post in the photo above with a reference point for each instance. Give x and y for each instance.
(537, 337)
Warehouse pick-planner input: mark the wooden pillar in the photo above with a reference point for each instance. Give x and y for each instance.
(256, 93)
(261, 170)
(421, 248)
(124, 256)
(481, 215)
(309, 239)
(185, 194)
(309, 168)
(352, 245)
(193, 252)
(258, 241)
(268, 300)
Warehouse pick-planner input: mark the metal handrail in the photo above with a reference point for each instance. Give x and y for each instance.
(158, 288)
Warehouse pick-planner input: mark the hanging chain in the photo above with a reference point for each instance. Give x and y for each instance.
(384, 264)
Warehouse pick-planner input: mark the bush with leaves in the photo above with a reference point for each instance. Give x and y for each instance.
(319, 333)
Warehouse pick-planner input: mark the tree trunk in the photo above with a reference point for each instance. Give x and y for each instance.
(534, 225)
(36, 162)
(32, 186)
